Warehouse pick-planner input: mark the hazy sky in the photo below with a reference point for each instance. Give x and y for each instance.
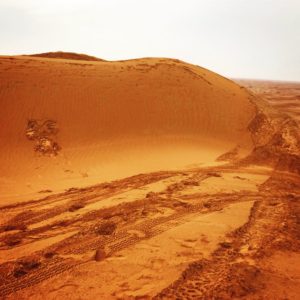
(236, 38)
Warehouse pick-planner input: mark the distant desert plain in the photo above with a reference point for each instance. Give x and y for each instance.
(148, 178)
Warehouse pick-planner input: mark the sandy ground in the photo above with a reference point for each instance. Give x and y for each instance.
(145, 179)
(154, 263)
(163, 244)
(284, 96)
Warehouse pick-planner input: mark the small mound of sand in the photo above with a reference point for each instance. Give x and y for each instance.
(67, 55)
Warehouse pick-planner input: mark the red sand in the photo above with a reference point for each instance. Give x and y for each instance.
(144, 179)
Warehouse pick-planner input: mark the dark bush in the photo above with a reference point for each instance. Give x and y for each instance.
(106, 228)
(25, 266)
(19, 272)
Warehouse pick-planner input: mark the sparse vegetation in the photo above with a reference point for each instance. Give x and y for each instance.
(106, 228)
(43, 133)
(25, 266)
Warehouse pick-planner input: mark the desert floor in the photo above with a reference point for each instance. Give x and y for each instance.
(284, 96)
(223, 232)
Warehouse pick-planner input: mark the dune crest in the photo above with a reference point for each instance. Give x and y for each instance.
(67, 55)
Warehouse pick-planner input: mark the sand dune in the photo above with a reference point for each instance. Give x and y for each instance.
(144, 179)
(65, 123)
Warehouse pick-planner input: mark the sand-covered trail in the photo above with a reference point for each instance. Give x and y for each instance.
(173, 238)
(68, 123)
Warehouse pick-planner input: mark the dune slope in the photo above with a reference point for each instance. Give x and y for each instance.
(67, 123)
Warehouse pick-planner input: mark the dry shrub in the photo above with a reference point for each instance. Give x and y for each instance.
(106, 228)
(25, 266)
